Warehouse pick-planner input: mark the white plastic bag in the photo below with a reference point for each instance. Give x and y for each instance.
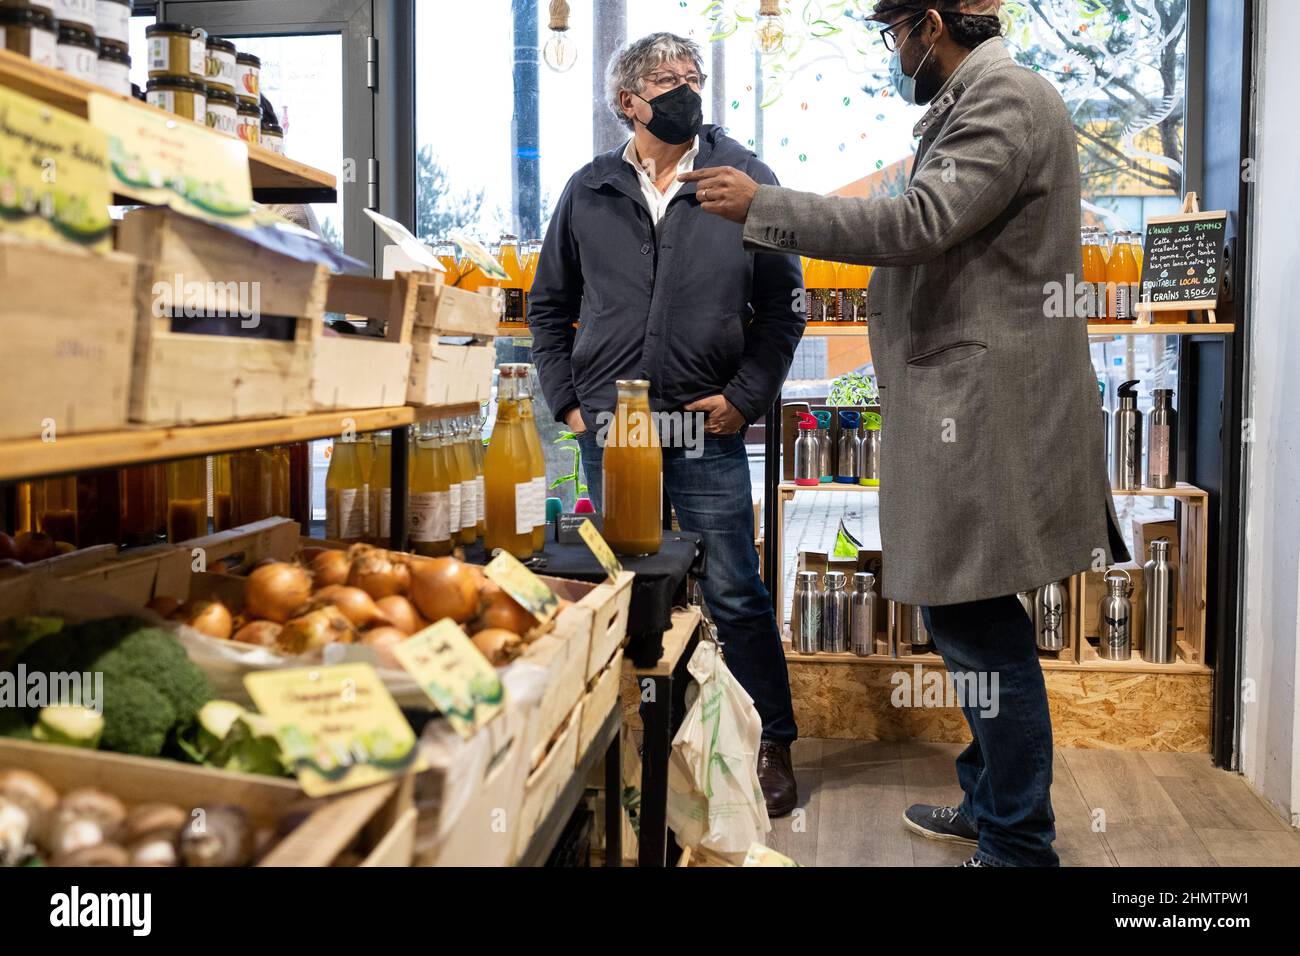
(714, 797)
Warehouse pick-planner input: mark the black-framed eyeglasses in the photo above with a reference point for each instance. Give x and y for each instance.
(889, 35)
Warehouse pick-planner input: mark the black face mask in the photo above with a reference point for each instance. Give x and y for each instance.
(677, 114)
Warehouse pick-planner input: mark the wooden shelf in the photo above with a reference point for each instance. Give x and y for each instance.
(790, 486)
(1094, 328)
(514, 329)
(275, 178)
(31, 458)
(1134, 666)
(1181, 490)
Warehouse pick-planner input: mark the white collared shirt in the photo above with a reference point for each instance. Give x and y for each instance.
(657, 201)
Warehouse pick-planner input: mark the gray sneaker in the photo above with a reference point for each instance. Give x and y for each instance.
(939, 823)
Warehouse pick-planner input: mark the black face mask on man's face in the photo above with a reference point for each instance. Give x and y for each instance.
(677, 114)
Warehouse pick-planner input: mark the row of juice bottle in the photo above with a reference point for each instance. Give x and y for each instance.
(1112, 268)
(146, 504)
(835, 291)
(519, 260)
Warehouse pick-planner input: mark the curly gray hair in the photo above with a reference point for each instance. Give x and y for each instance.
(632, 61)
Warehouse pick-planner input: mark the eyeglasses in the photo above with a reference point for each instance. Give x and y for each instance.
(889, 35)
(667, 80)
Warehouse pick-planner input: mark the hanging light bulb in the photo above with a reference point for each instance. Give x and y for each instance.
(560, 52)
(769, 35)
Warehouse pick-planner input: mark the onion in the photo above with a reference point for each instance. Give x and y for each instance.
(501, 610)
(375, 573)
(383, 640)
(276, 591)
(310, 554)
(444, 587)
(498, 645)
(312, 631)
(357, 606)
(401, 613)
(330, 567)
(207, 617)
(261, 633)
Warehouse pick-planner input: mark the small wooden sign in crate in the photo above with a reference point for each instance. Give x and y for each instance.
(192, 269)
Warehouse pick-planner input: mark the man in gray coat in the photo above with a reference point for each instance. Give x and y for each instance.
(992, 474)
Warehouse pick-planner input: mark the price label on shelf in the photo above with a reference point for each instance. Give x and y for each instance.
(600, 548)
(457, 678)
(338, 727)
(162, 160)
(521, 584)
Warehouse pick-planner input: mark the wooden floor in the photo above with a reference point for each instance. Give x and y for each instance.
(1159, 809)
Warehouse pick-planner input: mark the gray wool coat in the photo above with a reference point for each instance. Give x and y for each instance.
(993, 476)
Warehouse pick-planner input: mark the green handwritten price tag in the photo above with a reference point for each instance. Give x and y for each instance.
(600, 548)
(521, 584)
(458, 679)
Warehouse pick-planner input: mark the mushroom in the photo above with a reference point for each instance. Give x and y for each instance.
(101, 854)
(150, 833)
(26, 803)
(218, 835)
(84, 817)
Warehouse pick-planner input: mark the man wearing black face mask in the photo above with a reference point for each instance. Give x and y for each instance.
(662, 291)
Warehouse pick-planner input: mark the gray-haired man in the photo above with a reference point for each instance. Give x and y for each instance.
(662, 291)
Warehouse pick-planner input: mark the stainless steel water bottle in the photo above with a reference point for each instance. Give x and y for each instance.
(862, 614)
(1159, 578)
(846, 458)
(917, 633)
(1161, 430)
(1115, 618)
(835, 614)
(806, 614)
(1126, 441)
(869, 450)
(807, 452)
(1026, 599)
(826, 466)
(1105, 426)
(1050, 616)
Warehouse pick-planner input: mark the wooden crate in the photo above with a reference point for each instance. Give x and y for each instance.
(378, 819)
(135, 576)
(67, 319)
(548, 778)
(447, 373)
(447, 310)
(360, 371)
(602, 692)
(186, 378)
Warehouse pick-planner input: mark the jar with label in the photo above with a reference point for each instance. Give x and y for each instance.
(78, 53)
(222, 111)
(113, 21)
(77, 13)
(177, 49)
(220, 64)
(248, 122)
(248, 78)
(180, 95)
(114, 67)
(31, 32)
(272, 136)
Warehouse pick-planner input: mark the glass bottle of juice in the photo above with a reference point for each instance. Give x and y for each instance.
(507, 477)
(278, 459)
(464, 470)
(223, 503)
(1094, 277)
(144, 504)
(445, 250)
(187, 499)
(1121, 277)
(853, 281)
(474, 431)
(250, 485)
(532, 252)
(427, 516)
(513, 285)
(345, 494)
(820, 291)
(536, 459)
(54, 508)
(448, 467)
(380, 489)
(98, 515)
(633, 474)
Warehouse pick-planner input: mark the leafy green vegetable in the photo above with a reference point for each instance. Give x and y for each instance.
(69, 725)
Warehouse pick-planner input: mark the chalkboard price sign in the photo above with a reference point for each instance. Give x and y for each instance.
(1182, 266)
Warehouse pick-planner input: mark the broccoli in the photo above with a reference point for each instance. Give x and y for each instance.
(137, 718)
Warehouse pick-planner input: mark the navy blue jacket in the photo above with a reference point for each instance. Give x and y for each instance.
(682, 304)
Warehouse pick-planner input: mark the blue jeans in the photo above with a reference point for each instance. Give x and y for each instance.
(713, 498)
(1006, 772)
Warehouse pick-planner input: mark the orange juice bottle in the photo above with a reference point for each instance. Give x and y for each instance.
(446, 457)
(1094, 277)
(464, 470)
(507, 476)
(512, 286)
(532, 252)
(820, 291)
(345, 492)
(633, 474)
(853, 281)
(445, 250)
(380, 490)
(1121, 279)
(427, 516)
(536, 460)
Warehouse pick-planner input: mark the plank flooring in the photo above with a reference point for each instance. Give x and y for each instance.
(1112, 809)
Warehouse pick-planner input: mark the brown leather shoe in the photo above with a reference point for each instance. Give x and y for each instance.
(776, 777)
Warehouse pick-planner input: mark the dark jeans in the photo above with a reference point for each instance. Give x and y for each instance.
(1006, 772)
(713, 497)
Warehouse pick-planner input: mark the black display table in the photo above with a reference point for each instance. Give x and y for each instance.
(660, 584)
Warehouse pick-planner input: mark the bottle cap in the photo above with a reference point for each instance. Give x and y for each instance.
(823, 419)
(807, 578)
(807, 422)
(849, 419)
(554, 507)
(834, 580)
(863, 580)
(583, 506)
